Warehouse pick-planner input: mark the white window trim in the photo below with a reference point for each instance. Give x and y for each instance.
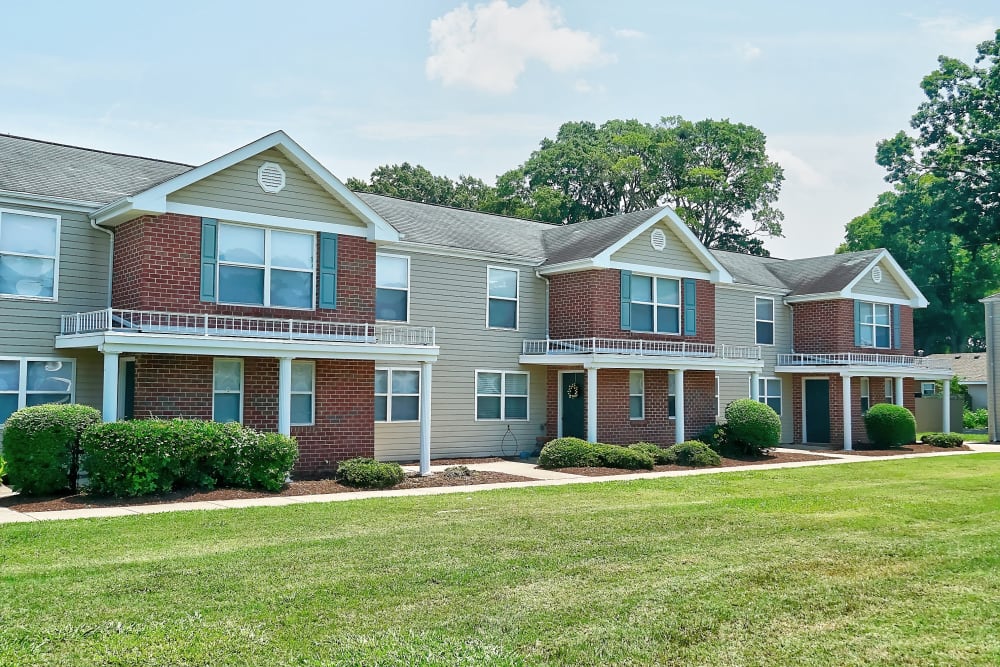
(516, 299)
(311, 393)
(55, 268)
(762, 396)
(215, 391)
(502, 395)
(22, 380)
(874, 327)
(923, 389)
(398, 289)
(757, 320)
(219, 263)
(655, 305)
(641, 394)
(864, 394)
(389, 394)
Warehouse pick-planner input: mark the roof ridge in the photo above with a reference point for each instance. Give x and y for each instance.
(95, 150)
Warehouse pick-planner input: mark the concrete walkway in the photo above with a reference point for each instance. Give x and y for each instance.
(538, 477)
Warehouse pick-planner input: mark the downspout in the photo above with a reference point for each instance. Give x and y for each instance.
(111, 254)
(547, 297)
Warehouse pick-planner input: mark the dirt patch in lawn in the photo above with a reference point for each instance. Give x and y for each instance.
(727, 462)
(916, 448)
(303, 488)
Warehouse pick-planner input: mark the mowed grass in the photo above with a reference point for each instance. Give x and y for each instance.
(875, 563)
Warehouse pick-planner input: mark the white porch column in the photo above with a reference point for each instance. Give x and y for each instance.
(946, 405)
(109, 406)
(898, 391)
(285, 395)
(679, 406)
(755, 386)
(425, 417)
(845, 381)
(592, 404)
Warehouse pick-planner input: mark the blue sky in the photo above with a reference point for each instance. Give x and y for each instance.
(467, 88)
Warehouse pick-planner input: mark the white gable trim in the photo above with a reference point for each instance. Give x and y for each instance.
(154, 200)
(917, 299)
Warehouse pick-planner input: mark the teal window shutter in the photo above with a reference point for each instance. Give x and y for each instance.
(897, 339)
(626, 313)
(209, 257)
(857, 324)
(690, 307)
(327, 270)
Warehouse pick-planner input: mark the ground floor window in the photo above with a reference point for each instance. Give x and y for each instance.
(636, 395)
(928, 389)
(26, 381)
(227, 390)
(303, 392)
(501, 396)
(866, 400)
(397, 395)
(769, 392)
(672, 395)
(890, 394)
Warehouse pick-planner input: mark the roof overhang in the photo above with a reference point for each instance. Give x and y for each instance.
(633, 361)
(154, 200)
(916, 298)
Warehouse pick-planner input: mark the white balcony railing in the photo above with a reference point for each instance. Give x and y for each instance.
(645, 348)
(193, 324)
(863, 359)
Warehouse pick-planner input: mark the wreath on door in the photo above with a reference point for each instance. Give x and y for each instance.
(573, 391)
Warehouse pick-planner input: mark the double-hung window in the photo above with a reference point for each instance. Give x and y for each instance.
(655, 304)
(501, 396)
(875, 326)
(397, 395)
(636, 395)
(890, 393)
(25, 382)
(928, 389)
(303, 392)
(266, 267)
(764, 308)
(392, 288)
(502, 290)
(672, 395)
(769, 393)
(29, 248)
(227, 390)
(866, 397)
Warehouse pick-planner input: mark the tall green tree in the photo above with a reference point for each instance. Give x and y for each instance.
(417, 183)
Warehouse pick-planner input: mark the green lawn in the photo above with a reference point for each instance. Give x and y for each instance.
(876, 563)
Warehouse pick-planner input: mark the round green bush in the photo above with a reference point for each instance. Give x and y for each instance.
(659, 454)
(694, 453)
(751, 426)
(948, 440)
(42, 446)
(367, 473)
(569, 453)
(890, 425)
(616, 456)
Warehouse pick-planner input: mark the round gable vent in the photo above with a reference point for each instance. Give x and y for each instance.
(658, 239)
(877, 274)
(271, 177)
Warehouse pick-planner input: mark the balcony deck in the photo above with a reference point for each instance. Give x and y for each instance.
(638, 353)
(864, 364)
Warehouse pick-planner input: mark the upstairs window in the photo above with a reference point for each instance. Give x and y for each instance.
(29, 247)
(502, 289)
(392, 288)
(655, 304)
(266, 267)
(875, 328)
(764, 308)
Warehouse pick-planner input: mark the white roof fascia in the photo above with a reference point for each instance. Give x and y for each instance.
(917, 299)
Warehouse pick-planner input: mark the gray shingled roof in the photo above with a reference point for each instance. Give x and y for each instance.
(749, 269)
(582, 240)
(37, 167)
(968, 366)
(819, 275)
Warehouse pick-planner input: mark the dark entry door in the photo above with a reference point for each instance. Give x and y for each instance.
(128, 391)
(817, 411)
(572, 397)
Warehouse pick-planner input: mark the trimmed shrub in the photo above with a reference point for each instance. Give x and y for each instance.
(659, 454)
(890, 425)
(457, 471)
(366, 473)
(752, 427)
(615, 456)
(42, 446)
(714, 435)
(943, 439)
(255, 460)
(694, 453)
(975, 418)
(569, 453)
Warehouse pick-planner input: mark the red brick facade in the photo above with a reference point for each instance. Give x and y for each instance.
(157, 266)
(588, 304)
(181, 386)
(827, 327)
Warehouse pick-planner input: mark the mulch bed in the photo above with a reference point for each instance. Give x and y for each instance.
(727, 462)
(303, 488)
(864, 449)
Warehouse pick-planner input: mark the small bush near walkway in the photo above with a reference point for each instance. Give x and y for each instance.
(365, 473)
(752, 427)
(661, 455)
(694, 453)
(948, 440)
(577, 453)
(890, 425)
(42, 446)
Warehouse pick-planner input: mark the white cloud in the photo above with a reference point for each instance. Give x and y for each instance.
(489, 46)
(629, 33)
(586, 87)
(797, 169)
(959, 30)
(750, 52)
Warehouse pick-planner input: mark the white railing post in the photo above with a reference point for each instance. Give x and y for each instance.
(76, 328)
(206, 325)
(291, 324)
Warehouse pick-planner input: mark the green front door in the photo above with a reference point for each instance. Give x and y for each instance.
(817, 411)
(572, 396)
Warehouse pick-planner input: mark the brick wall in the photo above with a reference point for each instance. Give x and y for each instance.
(822, 327)
(157, 266)
(588, 303)
(181, 386)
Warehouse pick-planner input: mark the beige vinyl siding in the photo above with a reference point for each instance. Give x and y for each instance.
(887, 288)
(236, 188)
(675, 255)
(450, 293)
(735, 322)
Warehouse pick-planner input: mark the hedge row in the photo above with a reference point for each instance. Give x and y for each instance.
(577, 453)
(943, 439)
(42, 446)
